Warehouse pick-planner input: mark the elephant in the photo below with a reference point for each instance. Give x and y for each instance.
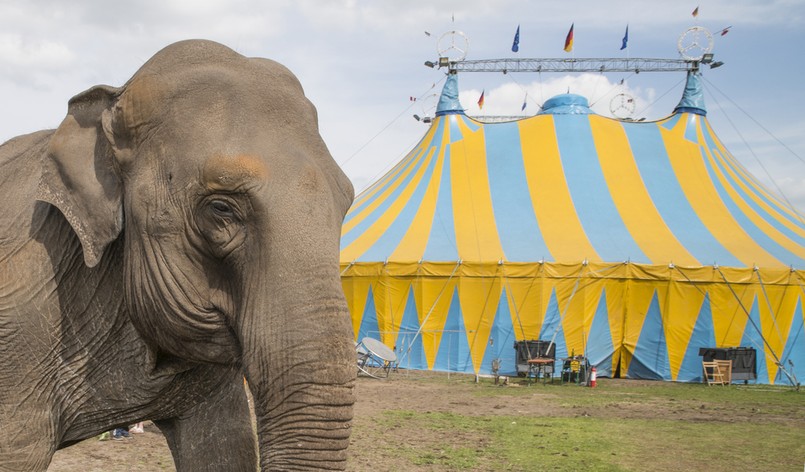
(173, 243)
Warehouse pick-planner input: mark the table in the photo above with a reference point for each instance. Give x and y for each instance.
(375, 359)
(541, 367)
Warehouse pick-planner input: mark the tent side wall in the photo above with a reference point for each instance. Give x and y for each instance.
(630, 320)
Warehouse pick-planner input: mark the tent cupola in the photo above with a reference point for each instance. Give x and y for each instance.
(566, 104)
(693, 97)
(448, 101)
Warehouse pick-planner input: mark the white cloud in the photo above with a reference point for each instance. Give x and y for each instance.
(360, 60)
(37, 56)
(507, 99)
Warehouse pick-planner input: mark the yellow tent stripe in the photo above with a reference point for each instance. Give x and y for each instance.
(375, 231)
(414, 242)
(395, 171)
(479, 299)
(750, 213)
(629, 193)
(733, 164)
(550, 196)
(682, 298)
(699, 190)
(366, 211)
(476, 231)
(773, 211)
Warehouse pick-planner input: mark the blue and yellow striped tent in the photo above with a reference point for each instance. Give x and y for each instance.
(633, 243)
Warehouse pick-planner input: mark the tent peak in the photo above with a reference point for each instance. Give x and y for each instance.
(566, 104)
(693, 97)
(448, 101)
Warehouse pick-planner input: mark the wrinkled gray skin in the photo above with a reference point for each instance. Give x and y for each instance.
(169, 238)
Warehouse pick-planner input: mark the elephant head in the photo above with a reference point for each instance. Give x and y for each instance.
(210, 167)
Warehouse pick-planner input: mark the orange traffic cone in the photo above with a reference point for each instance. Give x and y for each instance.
(592, 377)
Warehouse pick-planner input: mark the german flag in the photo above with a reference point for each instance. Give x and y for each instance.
(569, 39)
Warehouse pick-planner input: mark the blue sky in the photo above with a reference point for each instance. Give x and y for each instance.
(360, 61)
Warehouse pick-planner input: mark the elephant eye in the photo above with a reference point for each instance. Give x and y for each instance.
(221, 208)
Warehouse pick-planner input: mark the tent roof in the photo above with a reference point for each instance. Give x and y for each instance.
(568, 185)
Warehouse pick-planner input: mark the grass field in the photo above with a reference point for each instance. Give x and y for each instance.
(620, 425)
(421, 421)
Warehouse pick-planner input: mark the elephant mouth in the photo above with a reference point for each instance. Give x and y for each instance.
(189, 331)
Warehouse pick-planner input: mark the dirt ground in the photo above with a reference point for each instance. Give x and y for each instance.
(417, 392)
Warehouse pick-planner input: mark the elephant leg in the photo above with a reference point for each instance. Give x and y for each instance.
(27, 439)
(214, 435)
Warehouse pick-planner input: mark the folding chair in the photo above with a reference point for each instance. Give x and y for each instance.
(717, 372)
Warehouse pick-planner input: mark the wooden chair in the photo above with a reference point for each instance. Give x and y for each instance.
(717, 372)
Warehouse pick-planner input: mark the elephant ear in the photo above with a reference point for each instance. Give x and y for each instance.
(80, 175)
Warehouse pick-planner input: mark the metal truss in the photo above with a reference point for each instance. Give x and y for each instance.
(636, 65)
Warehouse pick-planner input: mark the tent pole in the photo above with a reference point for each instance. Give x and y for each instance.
(347, 268)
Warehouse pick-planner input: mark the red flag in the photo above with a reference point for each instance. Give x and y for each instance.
(481, 101)
(725, 30)
(695, 12)
(569, 39)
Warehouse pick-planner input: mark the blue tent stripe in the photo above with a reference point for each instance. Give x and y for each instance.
(751, 201)
(703, 335)
(650, 359)
(671, 122)
(410, 351)
(753, 338)
(661, 182)
(592, 199)
(501, 341)
(455, 131)
(761, 211)
(369, 325)
(515, 218)
(794, 351)
(454, 349)
(371, 219)
(391, 238)
(552, 327)
(775, 249)
(385, 183)
(442, 240)
(752, 185)
(471, 124)
(600, 349)
(691, 128)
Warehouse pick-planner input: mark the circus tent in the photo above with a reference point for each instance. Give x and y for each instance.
(632, 243)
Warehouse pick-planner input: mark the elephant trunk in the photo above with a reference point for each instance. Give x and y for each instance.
(299, 361)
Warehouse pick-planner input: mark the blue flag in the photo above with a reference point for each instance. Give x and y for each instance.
(625, 38)
(524, 102)
(516, 43)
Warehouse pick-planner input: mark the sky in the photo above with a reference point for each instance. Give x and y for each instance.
(361, 62)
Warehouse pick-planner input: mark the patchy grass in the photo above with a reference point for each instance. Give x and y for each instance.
(424, 421)
(618, 426)
(593, 444)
